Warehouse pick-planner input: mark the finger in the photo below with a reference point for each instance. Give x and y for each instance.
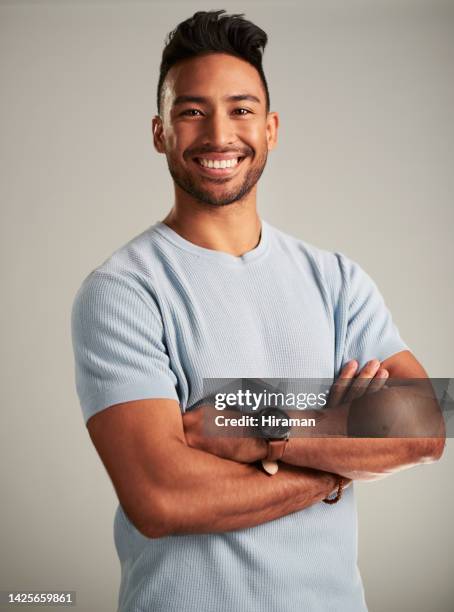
(379, 381)
(361, 382)
(349, 369)
(342, 383)
(270, 467)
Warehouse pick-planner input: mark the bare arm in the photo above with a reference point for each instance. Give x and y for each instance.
(364, 458)
(166, 487)
(373, 458)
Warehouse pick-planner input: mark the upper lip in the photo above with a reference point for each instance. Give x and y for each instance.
(219, 156)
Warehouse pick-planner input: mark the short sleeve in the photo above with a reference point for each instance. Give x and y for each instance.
(118, 344)
(369, 330)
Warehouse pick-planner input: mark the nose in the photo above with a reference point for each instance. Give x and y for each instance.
(219, 130)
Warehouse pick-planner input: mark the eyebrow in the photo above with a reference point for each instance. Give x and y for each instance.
(202, 100)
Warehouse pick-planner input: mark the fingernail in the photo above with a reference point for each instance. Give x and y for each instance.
(383, 374)
(373, 363)
(352, 363)
(271, 467)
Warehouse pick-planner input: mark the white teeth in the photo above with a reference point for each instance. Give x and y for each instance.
(224, 163)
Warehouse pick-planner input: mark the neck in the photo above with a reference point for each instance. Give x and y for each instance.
(233, 228)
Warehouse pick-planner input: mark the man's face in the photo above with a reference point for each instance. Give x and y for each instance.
(201, 125)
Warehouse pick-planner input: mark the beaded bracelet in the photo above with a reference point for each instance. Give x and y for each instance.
(340, 488)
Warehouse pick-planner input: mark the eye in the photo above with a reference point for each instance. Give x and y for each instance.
(191, 110)
(240, 111)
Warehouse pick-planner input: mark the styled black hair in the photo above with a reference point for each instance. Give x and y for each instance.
(206, 31)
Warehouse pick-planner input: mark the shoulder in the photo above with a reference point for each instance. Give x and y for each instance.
(134, 264)
(333, 267)
(340, 276)
(133, 259)
(124, 279)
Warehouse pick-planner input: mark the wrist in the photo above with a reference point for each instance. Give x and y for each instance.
(335, 495)
(295, 452)
(261, 446)
(274, 432)
(333, 485)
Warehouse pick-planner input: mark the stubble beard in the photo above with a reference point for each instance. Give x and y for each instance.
(185, 181)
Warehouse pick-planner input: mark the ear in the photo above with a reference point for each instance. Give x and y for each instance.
(158, 134)
(272, 124)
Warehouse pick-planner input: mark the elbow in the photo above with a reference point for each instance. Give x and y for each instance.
(428, 450)
(161, 520)
(155, 532)
(154, 520)
(156, 529)
(433, 447)
(438, 447)
(170, 514)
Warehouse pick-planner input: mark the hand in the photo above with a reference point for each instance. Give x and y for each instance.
(350, 386)
(232, 446)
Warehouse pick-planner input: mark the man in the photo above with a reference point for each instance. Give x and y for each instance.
(214, 291)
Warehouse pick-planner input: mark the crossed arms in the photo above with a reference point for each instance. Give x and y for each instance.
(169, 481)
(403, 411)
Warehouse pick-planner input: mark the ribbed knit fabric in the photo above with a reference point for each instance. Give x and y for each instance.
(159, 316)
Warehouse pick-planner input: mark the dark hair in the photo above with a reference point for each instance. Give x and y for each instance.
(204, 32)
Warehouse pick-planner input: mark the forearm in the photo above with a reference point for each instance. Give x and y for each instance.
(359, 459)
(404, 418)
(203, 493)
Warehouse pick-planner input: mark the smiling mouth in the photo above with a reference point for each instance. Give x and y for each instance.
(218, 167)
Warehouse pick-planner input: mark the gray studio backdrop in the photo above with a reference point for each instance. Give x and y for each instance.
(364, 165)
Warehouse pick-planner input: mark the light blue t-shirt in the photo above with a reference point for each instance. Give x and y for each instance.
(159, 316)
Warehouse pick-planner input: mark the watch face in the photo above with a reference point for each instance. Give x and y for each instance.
(273, 424)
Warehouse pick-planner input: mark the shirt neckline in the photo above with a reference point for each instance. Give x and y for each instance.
(220, 256)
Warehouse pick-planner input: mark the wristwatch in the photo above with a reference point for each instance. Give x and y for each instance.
(274, 428)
